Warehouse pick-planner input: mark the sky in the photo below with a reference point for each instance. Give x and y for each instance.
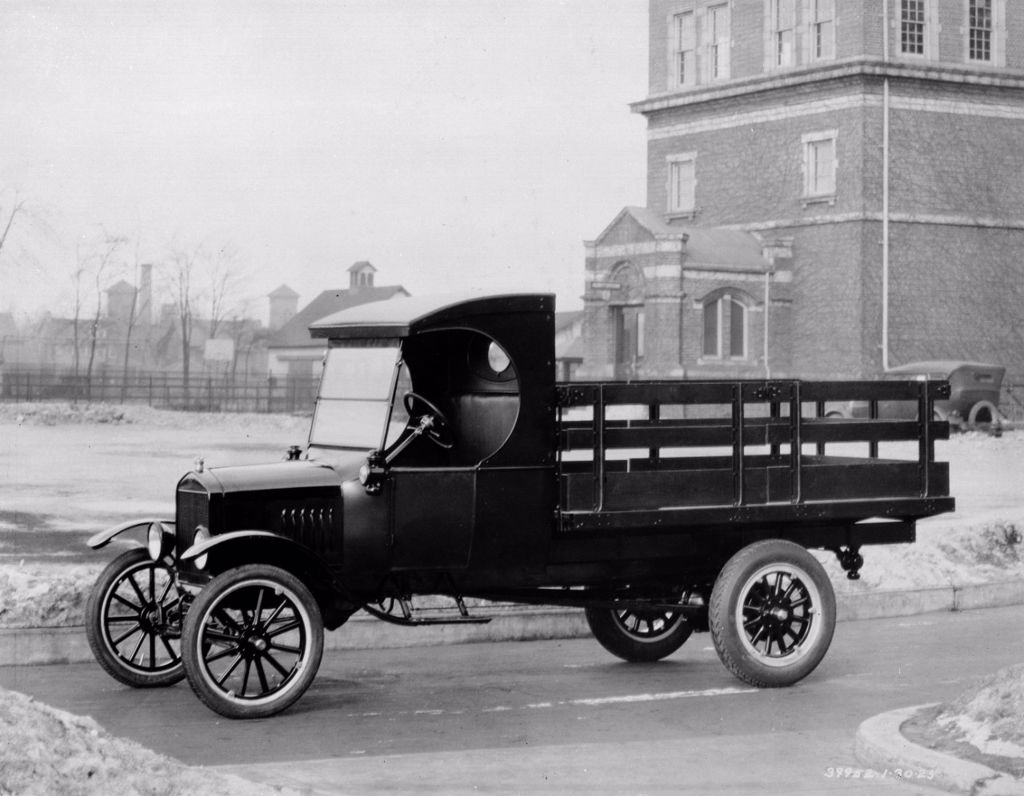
(455, 144)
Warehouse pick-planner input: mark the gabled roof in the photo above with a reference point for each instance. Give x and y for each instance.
(295, 333)
(703, 247)
(121, 287)
(362, 265)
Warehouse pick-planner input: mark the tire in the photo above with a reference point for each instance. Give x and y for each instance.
(133, 621)
(638, 636)
(252, 642)
(984, 416)
(772, 614)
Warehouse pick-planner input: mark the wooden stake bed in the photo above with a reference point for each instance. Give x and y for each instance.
(662, 455)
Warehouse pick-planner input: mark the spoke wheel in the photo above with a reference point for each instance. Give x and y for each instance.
(772, 613)
(637, 635)
(252, 642)
(133, 621)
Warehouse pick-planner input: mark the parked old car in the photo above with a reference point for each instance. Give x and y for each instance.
(973, 401)
(444, 459)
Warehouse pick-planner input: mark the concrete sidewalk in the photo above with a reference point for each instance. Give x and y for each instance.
(30, 646)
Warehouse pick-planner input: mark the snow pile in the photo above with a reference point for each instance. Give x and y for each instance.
(45, 751)
(990, 718)
(945, 555)
(53, 414)
(51, 595)
(44, 414)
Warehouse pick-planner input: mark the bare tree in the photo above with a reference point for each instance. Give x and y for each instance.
(224, 280)
(183, 263)
(17, 207)
(77, 276)
(104, 259)
(130, 321)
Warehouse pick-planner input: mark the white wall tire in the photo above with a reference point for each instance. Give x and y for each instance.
(772, 614)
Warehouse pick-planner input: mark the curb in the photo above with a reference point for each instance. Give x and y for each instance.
(881, 745)
(31, 646)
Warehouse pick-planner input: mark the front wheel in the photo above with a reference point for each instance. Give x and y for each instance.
(252, 641)
(133, 621)
(772, 613)
(638, 636)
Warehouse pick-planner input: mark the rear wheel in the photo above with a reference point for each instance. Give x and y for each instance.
(133, 621)
(772, 613)
(638, 635)
(252, 642)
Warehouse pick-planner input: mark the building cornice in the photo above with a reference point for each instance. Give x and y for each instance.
(895, 218)
(862, 67)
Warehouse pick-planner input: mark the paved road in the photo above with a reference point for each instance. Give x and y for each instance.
(561, 715)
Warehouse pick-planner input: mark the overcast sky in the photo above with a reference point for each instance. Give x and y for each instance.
(452, 143)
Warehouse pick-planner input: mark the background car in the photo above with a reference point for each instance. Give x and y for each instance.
(973, 400)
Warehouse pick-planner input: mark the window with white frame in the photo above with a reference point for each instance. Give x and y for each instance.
(782, 32)
(820, 164)
(914, 27)
(716, 34)
(684, 49)
(682, 184)
(823, 29)
(725, 328)
(980, 29)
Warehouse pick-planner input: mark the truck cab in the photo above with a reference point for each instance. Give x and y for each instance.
(448, 406)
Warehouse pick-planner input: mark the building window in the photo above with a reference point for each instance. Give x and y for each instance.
(820, 164)
(725, 328)
(823, 40)
(685, 49)
(979, 30)
(716, 31)
(912, 27)
(682, 184)
(783, 32)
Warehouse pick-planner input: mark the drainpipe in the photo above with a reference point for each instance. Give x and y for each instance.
(885, 186)
(767, 303)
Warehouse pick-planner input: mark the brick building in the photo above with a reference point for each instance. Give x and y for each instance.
(845, 178)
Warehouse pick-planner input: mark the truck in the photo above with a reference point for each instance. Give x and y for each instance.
(445, 465)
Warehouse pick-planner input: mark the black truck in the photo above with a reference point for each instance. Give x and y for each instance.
(443, 459)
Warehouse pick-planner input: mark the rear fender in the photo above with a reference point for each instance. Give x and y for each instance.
(237, 548)
(101, 539)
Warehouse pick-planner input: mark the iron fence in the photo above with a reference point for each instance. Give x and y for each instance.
(203, 393)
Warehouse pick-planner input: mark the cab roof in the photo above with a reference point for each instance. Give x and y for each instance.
(405, 316)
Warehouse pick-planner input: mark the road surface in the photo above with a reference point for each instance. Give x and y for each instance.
(562, 715)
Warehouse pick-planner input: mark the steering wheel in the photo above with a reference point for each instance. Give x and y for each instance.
(434, 424)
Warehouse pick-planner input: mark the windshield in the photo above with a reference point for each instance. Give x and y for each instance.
(356, 391)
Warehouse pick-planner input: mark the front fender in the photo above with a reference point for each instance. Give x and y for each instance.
(101, 539)
(197, 550)
(238, 548)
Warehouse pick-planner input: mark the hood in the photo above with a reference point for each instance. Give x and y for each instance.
(265, 477)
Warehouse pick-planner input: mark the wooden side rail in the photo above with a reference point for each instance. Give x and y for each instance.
(736, 415)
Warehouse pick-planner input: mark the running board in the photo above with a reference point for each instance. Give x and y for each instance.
(408, 616)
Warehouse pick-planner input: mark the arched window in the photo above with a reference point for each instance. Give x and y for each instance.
(725, 327)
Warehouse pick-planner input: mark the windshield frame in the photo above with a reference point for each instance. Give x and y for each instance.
(391, 343)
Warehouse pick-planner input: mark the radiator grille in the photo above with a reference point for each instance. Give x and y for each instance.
(193, 508)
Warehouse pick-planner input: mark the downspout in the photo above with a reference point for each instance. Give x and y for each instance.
(885, 186)
(767, 304)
